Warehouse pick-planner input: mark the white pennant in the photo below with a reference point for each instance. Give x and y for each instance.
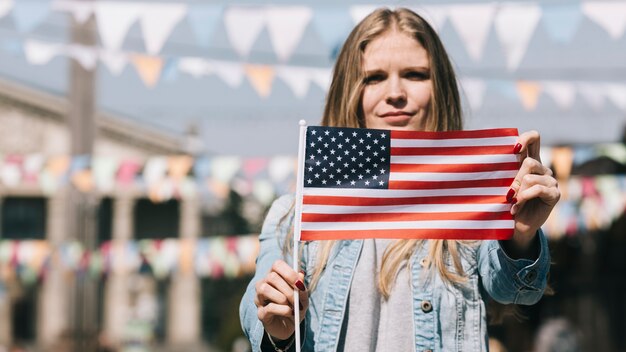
(297, 78)
(474, 89)
(563, 93)
(435, 15)
(515, 25)
(472, 23)
(286, 24)
(195, 66)
(115, 61)
(617, 94)
(230, 72)
(114, 20)
(609, 15)
(157, 23)
(321, 77)
(40, 53)
(81, 10)
(5, 7)
(243, 25)
(592, 93)
(85, 56)
(359, 12)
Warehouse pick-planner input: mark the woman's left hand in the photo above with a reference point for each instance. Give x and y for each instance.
(536, 191)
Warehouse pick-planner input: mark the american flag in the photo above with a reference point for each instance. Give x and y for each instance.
(368, 183)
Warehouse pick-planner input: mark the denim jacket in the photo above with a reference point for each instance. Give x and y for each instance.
(446, 317)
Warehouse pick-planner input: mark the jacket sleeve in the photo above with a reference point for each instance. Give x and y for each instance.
(271, 240)
(507, 280)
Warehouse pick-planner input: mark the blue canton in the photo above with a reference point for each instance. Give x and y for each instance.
(347, 157)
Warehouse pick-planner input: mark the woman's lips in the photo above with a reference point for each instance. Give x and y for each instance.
(396, 117)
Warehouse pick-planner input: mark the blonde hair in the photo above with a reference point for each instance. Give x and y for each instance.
(343, 110)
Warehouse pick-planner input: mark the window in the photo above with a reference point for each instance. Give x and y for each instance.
(156, 220)
(23, 218)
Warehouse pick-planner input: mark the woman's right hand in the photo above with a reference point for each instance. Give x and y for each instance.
(274, 299)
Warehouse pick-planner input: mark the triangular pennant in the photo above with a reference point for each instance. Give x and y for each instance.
(472, 23)
(179, 166)
(104, 173)
(170, 70)
(148, 67)
(297, 78)
(203, 19)
(40, 53)
(332, 26)
(81, 10)
(5, 7)
(280, 168)
(563, 93)
(474, 89)
(155, 169)
(114, 20)
(115, 61)
(504, 87)
(359, 12)
(561, 21)
(225, 167)
(83, 180)
(285, 25)
(617, 94)
(515, 25)
(230, 72)
(29, 14)
(529, 93)
(127, 171)
(261, 78)
(195, 66)
(158, 21)
(610, 15)
(592, 93)
(85, 56)
(321, 77)
(252, 166)
(243, 25)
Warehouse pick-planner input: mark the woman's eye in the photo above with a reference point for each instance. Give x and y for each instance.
(417, 75)
(373, 79)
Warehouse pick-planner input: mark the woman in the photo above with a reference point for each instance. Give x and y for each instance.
(398, 295)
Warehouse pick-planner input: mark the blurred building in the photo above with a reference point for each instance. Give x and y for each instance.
(34, 126)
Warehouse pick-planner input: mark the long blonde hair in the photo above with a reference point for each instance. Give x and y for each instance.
(343, 110)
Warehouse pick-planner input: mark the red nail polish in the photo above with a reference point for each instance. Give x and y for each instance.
(517, 148)
(510, 195)
(513, 200)
(300, 285)
(302, 272)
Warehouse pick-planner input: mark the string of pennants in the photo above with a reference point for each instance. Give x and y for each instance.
(216, 257)
(514, 24)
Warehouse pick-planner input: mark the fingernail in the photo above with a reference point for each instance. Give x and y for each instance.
(513, 200)
(300, 285)
(517, 148)
(302, 272)
(510, 194)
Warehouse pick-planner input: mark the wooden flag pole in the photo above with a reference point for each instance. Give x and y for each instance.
(296, 228)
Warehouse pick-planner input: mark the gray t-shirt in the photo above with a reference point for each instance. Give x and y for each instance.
(372, 323)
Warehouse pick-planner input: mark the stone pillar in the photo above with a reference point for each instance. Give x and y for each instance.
(116, 295)
(53, 313)
(184, 313)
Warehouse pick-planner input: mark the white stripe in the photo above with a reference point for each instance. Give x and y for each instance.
(454, 159)
(462, 142)
(401, 193)
(415, 208)
(452, 176)
(408, 225)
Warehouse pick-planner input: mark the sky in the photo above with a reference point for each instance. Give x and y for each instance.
(237, 121)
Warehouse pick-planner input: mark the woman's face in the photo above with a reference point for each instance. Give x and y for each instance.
(397, 88)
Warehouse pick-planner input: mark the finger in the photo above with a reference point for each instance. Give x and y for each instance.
(290, 275)
(530, 144)
(304, 296)
(529, 166)
(268, 293)
(272, 310)
(282, 286)
(549, 195)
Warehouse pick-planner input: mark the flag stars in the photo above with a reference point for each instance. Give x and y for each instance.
(368, 147)
(368, 159)
(367, 183)
(353, 134)
(345, 176)
(368, 134)
(339, 145)
(360, 153)
(312, 157)
(313, 131)
(346, 152)
(319, 151)
(375, 177)
(354, 146)
(339, 158)
(367, 171)
(375, 141)
(327, 132)
(318, 163)
(383, 135)
(331, 176)
(317, 175)
(325, 157)
(332, 152)
(323, 182)
(375, 153)
(324, 169)
(312, 144)
(382, 147)
(340, 133)
(338, 183)
(319, 139)
(331, 164)
(360, 177)
(361, 140)
(382, 171)
(381, 183)
(332, 139)
(309, 181)
(311, 168)
(352, 183)
(325, 145)
(347, 140)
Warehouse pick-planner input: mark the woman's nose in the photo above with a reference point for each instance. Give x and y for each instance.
(395, 91)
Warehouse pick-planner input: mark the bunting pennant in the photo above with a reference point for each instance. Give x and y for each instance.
(286, 25)
(114, 61)
(333, 26)
(473, 22)
(114, 20)
(436, 15)
(243, 25)
(515, 25)
(5, 7)
(81, 10)
(297, 78)
(529, 94)
(148, 67)
(40, 53)
(29, 14)
(610, 15)
(203, 19)
(561, 21)
(617, 95)
(563, 93)
(359, 12)
(261, 78)
(474, 89)
(158, 21)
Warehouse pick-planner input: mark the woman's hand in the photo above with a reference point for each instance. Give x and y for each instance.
(274, 299)
(534, 191)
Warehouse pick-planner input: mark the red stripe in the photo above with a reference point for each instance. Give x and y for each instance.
(498, 132)
(453, 167)
(375, 201)
(495, 182)
(388, 217)
(448, 234)
(467, 150)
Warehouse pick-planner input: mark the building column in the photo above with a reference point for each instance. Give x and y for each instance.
(184, 308)
(53, 313)
(116, 295)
